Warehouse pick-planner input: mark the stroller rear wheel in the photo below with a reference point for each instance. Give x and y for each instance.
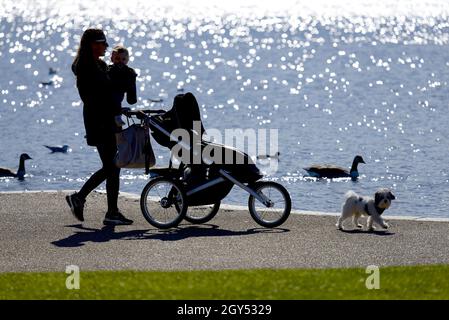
(163, 203)
(279, 206)
(202, 214)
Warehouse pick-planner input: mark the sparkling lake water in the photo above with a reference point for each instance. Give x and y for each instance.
(335, 78)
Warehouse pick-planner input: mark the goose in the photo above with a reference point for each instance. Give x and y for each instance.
(158, 100)
(332, 171)
(5, 172)
(62, 149)
(52, 71)
(267, 156)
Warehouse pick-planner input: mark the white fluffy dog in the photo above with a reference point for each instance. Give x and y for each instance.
(356, 206)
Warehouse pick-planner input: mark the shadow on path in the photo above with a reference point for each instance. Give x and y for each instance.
(108, 233)
(374, 232)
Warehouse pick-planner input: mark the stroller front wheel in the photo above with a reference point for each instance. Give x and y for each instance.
(278, 208)
(163, 203)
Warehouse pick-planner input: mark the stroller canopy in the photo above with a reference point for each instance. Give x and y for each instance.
(184, 112)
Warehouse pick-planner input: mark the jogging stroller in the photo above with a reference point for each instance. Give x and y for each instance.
(194, 191)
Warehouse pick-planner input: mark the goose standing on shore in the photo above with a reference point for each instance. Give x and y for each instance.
(332, 171)
(5, 172)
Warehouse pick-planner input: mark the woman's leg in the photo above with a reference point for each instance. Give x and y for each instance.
(94, 181)
(107, 152)
(108, 172)
(76, 201)
(112, 180)
(113, 215)
(111, 174)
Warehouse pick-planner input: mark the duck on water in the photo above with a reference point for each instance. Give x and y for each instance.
(6, 172)
(62, 149)
(332, 171)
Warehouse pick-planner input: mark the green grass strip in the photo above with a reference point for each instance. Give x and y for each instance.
(417, 282)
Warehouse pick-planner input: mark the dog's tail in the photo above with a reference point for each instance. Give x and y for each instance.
(350, 194)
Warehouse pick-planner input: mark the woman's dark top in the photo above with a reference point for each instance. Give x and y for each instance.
(96, 92)
(123, 80)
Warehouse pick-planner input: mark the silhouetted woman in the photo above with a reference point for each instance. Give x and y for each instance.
(99, 110)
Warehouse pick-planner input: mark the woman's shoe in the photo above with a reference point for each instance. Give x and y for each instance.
(76, 205)
(116, 218)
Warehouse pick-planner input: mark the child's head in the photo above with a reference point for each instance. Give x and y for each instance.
(120, 55)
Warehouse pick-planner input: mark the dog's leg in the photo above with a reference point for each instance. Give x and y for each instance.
(345, 214)
(369, 224)
(339, 224)
(355, 221)
(378, 219)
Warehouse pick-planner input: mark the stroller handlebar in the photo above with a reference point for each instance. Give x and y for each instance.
(140, 114)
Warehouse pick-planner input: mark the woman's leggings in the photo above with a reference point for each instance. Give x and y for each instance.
(109, 172)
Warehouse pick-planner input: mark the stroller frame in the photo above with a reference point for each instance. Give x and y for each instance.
(175, 176)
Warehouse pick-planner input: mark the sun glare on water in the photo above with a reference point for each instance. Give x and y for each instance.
(345, 70)
(180, 9)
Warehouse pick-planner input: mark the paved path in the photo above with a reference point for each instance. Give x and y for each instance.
(38, 233)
